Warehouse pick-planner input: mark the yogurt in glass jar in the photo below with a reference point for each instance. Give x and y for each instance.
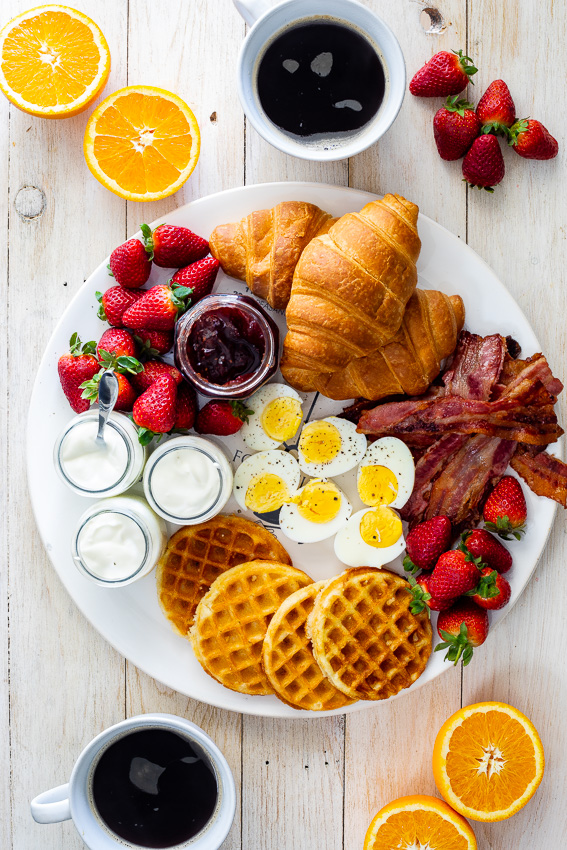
(118, 540)
(187, 480)
(94, 470)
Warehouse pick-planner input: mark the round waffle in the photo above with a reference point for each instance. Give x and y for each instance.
(197, 554)
(365, 638)
(231, 621)
(288, 660)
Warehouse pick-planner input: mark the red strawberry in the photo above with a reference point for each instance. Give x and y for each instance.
(114, 303)
(152, 343)
(126, 392)
(493, 590)
(154, 411)
(118, 342)
(454, 574)
(532, 140)
(455, 127)
(77, 366)
(422, 597)
(186, 407)
(445, 73)
(505, 510)
(496, 111)
(157, 309)
(130, 264)
(426, 542)
(483, 545)
(172, 247)
(199, 276)
(153, 370)
(462, 627)
(221, 418)
(483, 166)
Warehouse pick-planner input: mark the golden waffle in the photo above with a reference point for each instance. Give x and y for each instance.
(365, 638)
(197, 554)
(288, 660)
(232, 618)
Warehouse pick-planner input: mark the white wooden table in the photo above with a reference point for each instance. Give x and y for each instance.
(309, 783)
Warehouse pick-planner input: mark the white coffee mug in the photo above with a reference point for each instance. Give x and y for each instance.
(269, 21)
(74, 800)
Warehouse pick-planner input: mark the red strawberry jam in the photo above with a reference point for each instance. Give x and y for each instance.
(225, 345)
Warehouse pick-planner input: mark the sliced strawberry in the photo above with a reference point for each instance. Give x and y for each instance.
(445, 73)
(130, 264)
(199, 277)
(155, 410)
(426, 542)
(77, 366)
(114, 303)
(158, 309)
(172, 247)
(462, 627)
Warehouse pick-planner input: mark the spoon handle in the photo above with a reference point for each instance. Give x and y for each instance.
(107, 396)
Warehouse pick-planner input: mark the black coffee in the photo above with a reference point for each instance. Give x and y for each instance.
(154, 789)
(320, 78)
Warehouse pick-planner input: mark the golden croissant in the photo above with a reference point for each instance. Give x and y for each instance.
(407, 364)
(263, 248)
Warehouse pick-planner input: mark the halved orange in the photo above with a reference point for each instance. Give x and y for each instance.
(419, 822)
(54, 61)
(488, 761)
(142, 143)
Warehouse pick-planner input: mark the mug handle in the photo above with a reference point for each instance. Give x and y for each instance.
(251, 10)
(52, 806)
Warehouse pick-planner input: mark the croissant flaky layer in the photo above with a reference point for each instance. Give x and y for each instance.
(263, 248)
(407, 364)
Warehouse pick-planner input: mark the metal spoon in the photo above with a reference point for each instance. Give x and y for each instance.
(107, 395)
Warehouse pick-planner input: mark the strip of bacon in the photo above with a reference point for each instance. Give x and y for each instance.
(476, 366)
(543, 473)
(428, 467)
(459, 490)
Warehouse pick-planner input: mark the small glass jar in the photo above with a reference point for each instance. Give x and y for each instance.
(93, 471)
(118, 540)
(187, 480)
(257, 337)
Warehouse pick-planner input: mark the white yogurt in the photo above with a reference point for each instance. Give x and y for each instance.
(118, 540)
(90, 465)
(187, 480)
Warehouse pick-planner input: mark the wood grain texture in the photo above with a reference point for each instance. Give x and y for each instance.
(313, 783)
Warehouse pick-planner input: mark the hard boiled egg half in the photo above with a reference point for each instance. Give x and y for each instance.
(264, 481)
(329, 447)
(275, 418)
(371, 537)
(386, 474)
(316, 512)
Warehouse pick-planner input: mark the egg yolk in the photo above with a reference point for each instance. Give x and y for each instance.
(281, 417)
(320, 442)
(319, 501)
(381, 527)
(377, 485)
(266, 492)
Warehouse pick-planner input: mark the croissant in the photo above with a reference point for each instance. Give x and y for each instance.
(263, 248)
(407, 364)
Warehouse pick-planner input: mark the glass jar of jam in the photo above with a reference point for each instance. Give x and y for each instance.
(226, 346)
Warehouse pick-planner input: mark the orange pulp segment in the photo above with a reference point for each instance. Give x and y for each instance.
(488, 761)
(142, 143)
(54, 61)
(419, 822)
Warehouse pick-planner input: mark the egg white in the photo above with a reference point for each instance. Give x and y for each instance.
(276, 462)
(353, 447)
(252, 431)
(395, 456)
(302, 530)
(353, 551)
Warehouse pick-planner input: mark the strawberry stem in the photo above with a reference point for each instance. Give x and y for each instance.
(409, 566)
(504, 528)
(147, 240)
(420, 597)
(457, 646)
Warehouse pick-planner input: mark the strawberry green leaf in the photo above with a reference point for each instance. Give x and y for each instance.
(129, 364)
(409, 566)
(110, 272)
(456, 645)
(504, 528)
(453, 104)
(147, 240)
(420, 597)
(486, 587)
(240, 411)
(145, 436)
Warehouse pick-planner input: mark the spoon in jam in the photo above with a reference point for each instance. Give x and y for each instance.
(107, 396)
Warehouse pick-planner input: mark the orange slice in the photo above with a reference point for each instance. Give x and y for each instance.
(54, 61)
(142, 143)
(419, 823)
(488, 761)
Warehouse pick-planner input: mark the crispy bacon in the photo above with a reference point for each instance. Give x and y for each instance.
(543, 473)
(427, 468)
(476, 366)
(459, 490)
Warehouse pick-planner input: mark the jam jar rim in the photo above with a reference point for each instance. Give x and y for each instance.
(90, 514)
(269, 358)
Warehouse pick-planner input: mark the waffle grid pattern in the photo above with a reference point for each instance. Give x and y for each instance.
(232, 619)
(365, 638)
(197, 555)
(288, 660)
